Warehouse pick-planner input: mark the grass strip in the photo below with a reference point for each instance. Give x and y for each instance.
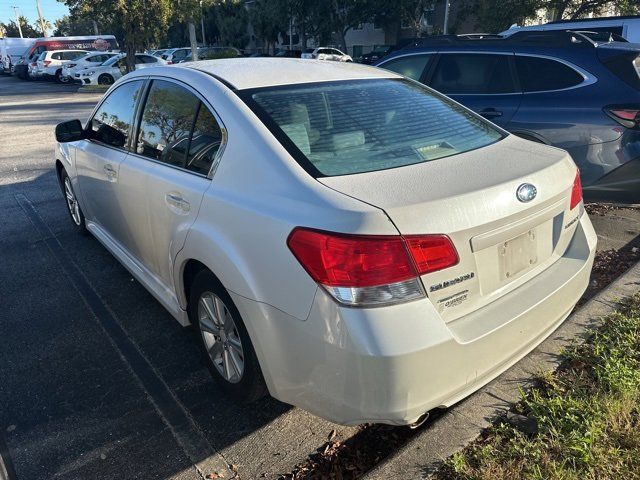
(582, 421)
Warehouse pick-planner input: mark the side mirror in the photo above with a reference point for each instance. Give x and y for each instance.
(70, 131)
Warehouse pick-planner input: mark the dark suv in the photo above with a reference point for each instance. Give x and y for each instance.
(556, 87)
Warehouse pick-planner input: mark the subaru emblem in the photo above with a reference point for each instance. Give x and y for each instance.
(526, 192)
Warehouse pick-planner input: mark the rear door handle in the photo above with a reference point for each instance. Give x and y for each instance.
(175, 200)
(491, 113)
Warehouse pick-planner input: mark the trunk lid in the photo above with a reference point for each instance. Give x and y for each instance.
(471, 197)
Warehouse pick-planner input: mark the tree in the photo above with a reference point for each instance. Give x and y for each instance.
(498, 15)
(268, 18)
(231, 19)
(346, 14)
(77, 25)
(28, 31)
(494, 16)
(137, 23)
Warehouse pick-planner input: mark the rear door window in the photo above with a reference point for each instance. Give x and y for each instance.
(544, 74)
(112, 121)
(167, 120)
(412, 66)
(205, 142)
(479, 74)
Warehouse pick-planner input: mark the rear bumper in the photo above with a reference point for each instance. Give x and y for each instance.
(393, 364)
(621, 185)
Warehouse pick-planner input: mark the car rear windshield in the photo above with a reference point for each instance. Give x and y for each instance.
(348, 127)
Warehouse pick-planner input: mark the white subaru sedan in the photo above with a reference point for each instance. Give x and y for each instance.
(343, 238)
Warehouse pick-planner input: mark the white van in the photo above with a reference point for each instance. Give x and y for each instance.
(11, 49)
(627, 27)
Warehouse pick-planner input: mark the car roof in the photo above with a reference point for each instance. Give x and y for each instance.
(563, 42)
(245, 73)
(68, 50)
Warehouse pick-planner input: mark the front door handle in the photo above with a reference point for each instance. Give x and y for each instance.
(491, 113)
(110, 172)
(176, 201)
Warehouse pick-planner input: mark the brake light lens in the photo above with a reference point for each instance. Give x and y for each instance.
(628, 117)
(370, 270)
(431, 253)
(576, 191)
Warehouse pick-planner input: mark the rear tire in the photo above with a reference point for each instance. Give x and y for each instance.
(224, 340)
(105, 79)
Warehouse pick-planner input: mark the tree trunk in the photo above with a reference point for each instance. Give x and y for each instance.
(131, 53)
(192, 41)
(303, 35)
(343, 39)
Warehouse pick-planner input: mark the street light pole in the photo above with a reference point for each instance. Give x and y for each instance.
(446, 17)
(39, 8)
(15, 9)
(204, 41)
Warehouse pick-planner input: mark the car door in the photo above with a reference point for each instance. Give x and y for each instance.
(484, 82)
(98, 159)
(164, 179)
(561, 108)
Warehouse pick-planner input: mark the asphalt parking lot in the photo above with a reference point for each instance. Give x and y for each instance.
(97, 380)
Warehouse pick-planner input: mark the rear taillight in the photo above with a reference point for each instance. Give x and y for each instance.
(628, 117)
(371, 270)
(169, 62)
(576, 192)
(46, 63)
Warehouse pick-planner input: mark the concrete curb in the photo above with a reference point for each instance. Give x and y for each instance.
(464, 422)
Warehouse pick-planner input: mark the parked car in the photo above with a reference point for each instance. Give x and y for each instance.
(114, 68)
(91, 59)
(409, 251)
(101, 43)
(50, 62)
(375, 55)
(627, 27)
(175, 55)
(325, 53)
(289, 54)
(35, 69)
(211, 53)
(157, 53)
(11, 49)
(558, 88)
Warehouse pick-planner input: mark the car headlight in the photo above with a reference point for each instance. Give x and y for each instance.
(88, 74)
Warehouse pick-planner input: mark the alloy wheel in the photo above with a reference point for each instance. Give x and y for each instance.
(221, 337)
(72, 202)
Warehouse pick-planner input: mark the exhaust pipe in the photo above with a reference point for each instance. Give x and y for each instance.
(420, 421)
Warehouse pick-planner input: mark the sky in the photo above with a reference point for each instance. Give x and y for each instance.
(52, 10)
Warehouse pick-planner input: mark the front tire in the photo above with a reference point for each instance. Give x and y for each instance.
(224, 340)
(73, 207)
(105, 79)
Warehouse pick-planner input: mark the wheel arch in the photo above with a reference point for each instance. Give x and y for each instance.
(59, 169)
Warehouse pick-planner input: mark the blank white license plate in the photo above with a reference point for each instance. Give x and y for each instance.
(517, 255)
